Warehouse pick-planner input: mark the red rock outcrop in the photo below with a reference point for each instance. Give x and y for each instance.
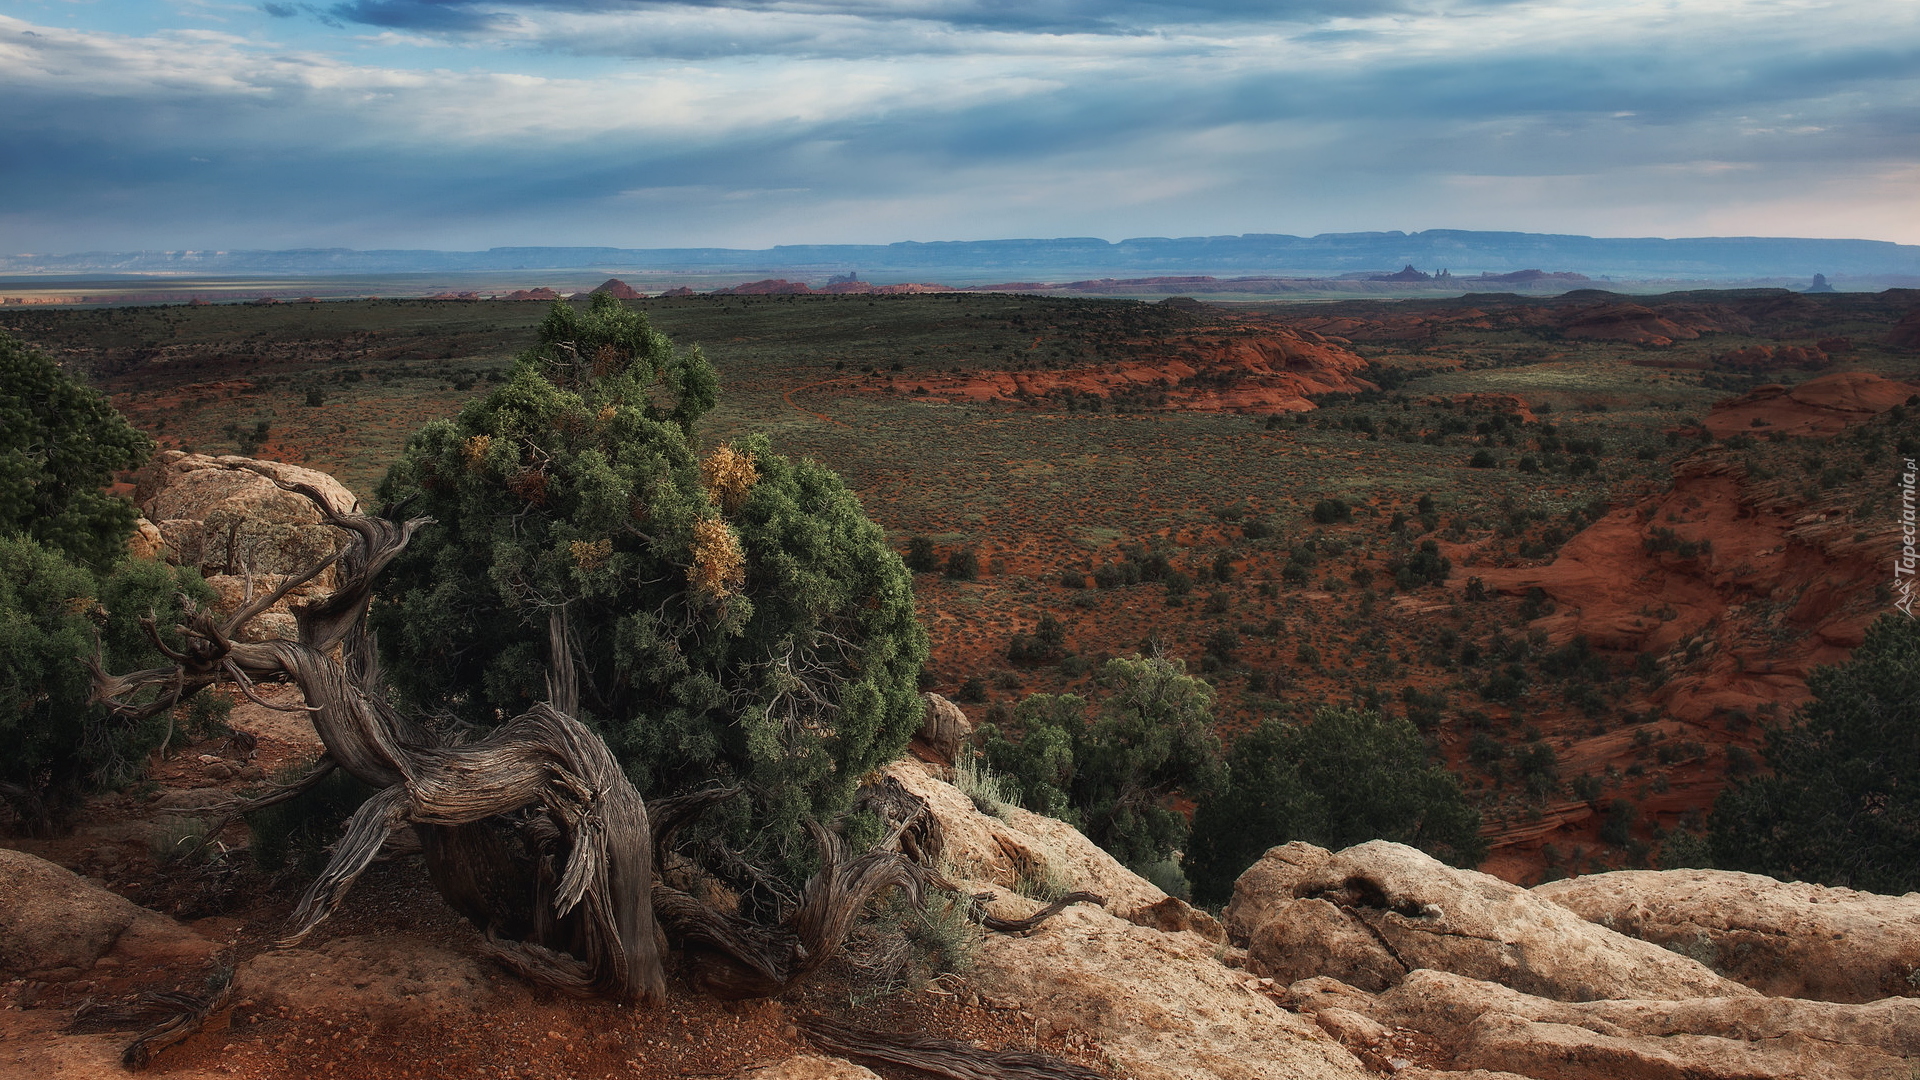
(1822, 406)
(619, 290)
(1272, 371)
(1906, 333)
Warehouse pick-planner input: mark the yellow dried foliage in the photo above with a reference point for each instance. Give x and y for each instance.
(719, 567)
(475, 451)
(729, 475)
(606, 414)
(591, 554)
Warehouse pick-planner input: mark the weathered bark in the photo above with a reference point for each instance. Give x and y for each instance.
(165, 1018)
(534, 832)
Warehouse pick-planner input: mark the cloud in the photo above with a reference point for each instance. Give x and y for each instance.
(755, 123)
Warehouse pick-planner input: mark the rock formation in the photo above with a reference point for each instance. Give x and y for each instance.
(1372, 913)
(228, 518)
(1785, 939)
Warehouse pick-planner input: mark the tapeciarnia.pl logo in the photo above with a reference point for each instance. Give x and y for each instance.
(1904, 566)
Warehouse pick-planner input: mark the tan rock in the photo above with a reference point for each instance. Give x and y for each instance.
(1493, 1027)
(943, 730)
(1159, 1003)
(228, 518)
(809, 1067)
(1360, 914)
(146, 541)
(56, 924)
(1001, 852)
(1787, 939)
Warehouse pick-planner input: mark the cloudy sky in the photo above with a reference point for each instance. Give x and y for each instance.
(744, 123)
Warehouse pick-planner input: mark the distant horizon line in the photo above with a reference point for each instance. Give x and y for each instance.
(1193, 238)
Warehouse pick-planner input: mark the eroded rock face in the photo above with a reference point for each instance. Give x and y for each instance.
(1493, 1027)
(56, 924)
(943, 730)
(1372, 913)
(227, 518)
(1786, 939)
(1159, 1003)
(1001, 853)
(1141, 976)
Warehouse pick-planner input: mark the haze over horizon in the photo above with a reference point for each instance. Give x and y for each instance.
(471, 124)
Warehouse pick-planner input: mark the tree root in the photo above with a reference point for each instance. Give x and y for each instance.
(942, 1057)
(180, 1014)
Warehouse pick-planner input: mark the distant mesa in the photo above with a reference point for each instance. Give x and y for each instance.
(455, 296)
(1820, 284)
(266, 300)
(619, 290)
(847, 278)
(1408, 274)
(678, 290)
(542, 293)
(1522, 276)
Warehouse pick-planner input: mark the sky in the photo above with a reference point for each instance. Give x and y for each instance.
(467, 124)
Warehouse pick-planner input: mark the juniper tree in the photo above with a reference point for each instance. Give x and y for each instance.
(736, 618)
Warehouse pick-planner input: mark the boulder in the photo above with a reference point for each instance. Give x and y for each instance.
(1372, 913)
(56, 924)
(1160, 1004)
(228, 518)
(1024, 848)
(943, 730)
(1489, 1026)
(1786, 939)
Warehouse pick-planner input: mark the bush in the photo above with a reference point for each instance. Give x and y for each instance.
(1483, 459)
(1114, 776)
(1047, 642)
(963, 565)
(737, 618)
(1842, 806)
(1349, 776)
(1332, 512)
(60, 444)
(920, 557)
(58, 743)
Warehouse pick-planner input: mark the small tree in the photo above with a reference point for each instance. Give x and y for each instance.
(737, 618)
(1843, 804)
(60, 444)
(1349, 776)
(67, 591)
(1114, 776)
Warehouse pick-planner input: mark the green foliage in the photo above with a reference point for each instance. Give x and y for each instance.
(1332, 512)
(1114, 775)
(57, 743)
(1843, 804)
(1047, 642)
(920, 557)
(739, 619)
(963, 565)
(1349, 776)
(60, 443)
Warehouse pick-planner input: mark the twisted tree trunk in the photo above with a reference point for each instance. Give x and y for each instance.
(533, 833)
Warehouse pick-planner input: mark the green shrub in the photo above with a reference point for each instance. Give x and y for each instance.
(1349, 776)
(1114, 776)
(60, 444)
(1842, 806)
(1332, 512)
(737, 618)
(64, 579)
